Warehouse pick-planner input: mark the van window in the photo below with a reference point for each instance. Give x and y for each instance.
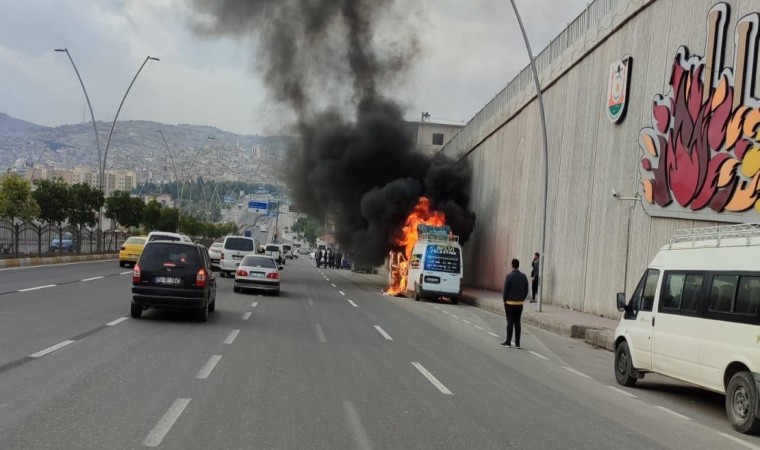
(273, 248)
(748, 296)
(240, 243)
(442, 258)
(682, 292)
(643, 297)
(722, 293)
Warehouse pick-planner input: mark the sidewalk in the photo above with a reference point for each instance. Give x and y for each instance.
(39, 261)
(596, 331)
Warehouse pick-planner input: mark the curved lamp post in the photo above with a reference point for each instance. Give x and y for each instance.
(540, 97)
(187, 172)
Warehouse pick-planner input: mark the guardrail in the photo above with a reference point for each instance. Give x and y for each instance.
(29, 239)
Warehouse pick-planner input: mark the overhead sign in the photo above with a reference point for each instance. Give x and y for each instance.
(229, 199)
(257, 207)
(617, 89)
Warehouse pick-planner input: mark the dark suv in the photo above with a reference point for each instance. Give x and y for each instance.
(174, 276)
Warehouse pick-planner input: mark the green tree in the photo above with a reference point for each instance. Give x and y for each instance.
(169, 219)
(85, 202)
(16, 201)
(125, 209)
(53, 198)
(309, 228)
(151, 217)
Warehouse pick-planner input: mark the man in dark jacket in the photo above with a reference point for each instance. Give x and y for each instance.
(515, 292)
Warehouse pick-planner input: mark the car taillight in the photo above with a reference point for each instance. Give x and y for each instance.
(242, 273)
(221, 255)
(136, 274)
(123, 248)
(273, 276)
(200, 278)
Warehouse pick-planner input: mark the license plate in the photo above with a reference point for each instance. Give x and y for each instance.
(237, 256)
(257, 275)
(168, 280)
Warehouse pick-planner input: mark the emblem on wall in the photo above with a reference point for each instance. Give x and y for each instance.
(701, 156)
(617, 89)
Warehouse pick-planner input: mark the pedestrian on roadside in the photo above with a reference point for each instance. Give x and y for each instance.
(332, 259)
(338, 260)
(534, 277)
(319, 258)
(515, 292)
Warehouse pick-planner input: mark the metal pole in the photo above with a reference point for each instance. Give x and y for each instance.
(634, 199)
(174, 168)
(540, 97)
(187, 172)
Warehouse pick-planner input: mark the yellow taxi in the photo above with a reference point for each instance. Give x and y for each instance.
(131, 250)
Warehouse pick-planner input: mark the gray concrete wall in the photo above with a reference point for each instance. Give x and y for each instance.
(589, 155)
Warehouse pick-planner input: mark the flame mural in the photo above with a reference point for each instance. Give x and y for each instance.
(703, 148)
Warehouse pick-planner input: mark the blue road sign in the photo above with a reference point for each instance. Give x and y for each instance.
(257, 207)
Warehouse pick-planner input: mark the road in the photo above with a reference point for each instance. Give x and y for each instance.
(330, 364)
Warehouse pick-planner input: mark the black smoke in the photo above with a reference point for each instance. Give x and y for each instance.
(330, 62)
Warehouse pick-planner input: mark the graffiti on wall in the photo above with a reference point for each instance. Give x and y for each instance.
(701, 156)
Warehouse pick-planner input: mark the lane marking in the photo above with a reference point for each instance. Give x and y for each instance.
(311, 302)
(104, 261)
(455, 316)
(342, 293)
(437, 307)
(480, 328)
(333, 285)
(327, 279)
(622, 391)
(231, 337)
(493, 334)
(538, 355)
(321, 334)
(156, 435)
(254, 304)
(126, 273)
(91, 279)
(673, 413)
(581, 374)
(247, 316)
(352, 303)
(117, 321)
(36, 288)
(432, 378)
(466, 321)
(739, 441)
(360, 434)
(208, 367)
(444, 311)
(51, 349)
(381, 331)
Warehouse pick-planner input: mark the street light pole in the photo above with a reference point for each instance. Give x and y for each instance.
(540, 97)
(187, 173)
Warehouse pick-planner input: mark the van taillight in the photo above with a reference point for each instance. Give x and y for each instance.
(221, 255)
(200, 278)
(136, 274)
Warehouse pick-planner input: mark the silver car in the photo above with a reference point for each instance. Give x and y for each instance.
(258, 272)
(215, 253)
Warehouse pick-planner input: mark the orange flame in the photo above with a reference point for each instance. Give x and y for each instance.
(407, 237)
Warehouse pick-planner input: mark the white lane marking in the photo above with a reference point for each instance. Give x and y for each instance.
(117, 321)
(360, 434)
(437, 307)
(208, 367)
(432, 378)
(254, 304)
(622, 391)
(342, 293)
(156, 435)
(321, 334)
(352, 303)
(739, 441)
(36, 288)
(493, 334)
(247, 316)
(311, 302)
(673, 413)
(231, 337)
(51, 349)
(444, 311)
(91, 279)
(103, 261)
(327, 279)
(333, 285)
(479, 328)
(258, 295)
(466, 321)
(126, 273)
(455, 316)
(580, 374)
(538, 355)
(381, 331)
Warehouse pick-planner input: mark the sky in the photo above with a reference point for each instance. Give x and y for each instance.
(470, 49)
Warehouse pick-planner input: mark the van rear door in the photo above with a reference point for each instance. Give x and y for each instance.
(237, 247)
(640, 321)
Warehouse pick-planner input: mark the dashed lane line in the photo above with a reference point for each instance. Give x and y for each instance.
(157, 434)
(431, 378)
(466, 321)
(231, 337)
(620, 391)
(117, 321)
(580, 374)
(311, 302)
(254, 304)
(321, 334)
(247, 316)
(126, 273)
(353, 303)
(360, 434)
(479, 328)
(455, 316)
(36, 288)
(493, 334)
(208, 367)
(342, 293)
(673, 413)
(51, 349)
(538, 355)
(333, 285)
(383, 333)
(92, 279)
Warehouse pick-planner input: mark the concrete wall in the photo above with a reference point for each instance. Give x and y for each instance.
(589, 155)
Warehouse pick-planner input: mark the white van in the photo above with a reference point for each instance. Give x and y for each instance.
(435, 265)
(233, 251)
(276, 252)
(167, 236)
(695, 316)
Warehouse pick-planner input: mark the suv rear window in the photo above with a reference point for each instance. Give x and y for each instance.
(258, 261)
(286, 247)
(157, 255)
(241, 244)
(272, 248)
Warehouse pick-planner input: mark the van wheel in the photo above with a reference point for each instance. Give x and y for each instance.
(136, 311)
(741, 403)
(624, 366)
(417, 293)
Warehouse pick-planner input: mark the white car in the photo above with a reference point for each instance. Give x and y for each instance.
(258, 272)
(215, 254)
(167, 236)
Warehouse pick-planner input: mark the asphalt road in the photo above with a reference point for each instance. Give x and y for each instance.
(330, 364)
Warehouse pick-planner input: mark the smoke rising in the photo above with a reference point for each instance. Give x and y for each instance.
(364, 169)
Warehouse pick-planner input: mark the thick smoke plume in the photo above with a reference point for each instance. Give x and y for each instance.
(363, 169)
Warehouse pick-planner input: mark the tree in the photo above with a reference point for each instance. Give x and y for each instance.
(84, 204)
(169, 219)
(151, 217)
(125, 209)
(309, 228)
(16, 201)
(53, 198)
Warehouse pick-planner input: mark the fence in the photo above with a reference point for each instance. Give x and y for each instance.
(27, 239)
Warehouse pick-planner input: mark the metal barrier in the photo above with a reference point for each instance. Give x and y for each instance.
(29, 239)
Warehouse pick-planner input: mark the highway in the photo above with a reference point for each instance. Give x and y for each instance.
(332, 363)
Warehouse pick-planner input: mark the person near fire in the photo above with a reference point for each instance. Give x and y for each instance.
(319, 257)
(515, 293)
(534, 278)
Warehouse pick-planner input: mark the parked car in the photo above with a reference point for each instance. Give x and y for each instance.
(233, 251)
(174, 276)
(65, 244)
(215, 253)
(131, 250)
(258, 272)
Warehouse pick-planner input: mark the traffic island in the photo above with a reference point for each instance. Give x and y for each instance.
(58, 259)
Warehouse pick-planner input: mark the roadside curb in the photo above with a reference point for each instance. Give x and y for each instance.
(596, 337)
(41, 261)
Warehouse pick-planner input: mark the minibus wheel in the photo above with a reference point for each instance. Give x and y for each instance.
(624, 366)
(741, 403)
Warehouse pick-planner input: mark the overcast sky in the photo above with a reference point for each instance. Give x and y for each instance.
(470, 49)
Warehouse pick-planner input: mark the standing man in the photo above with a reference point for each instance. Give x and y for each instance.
(534, 277)
(515, 292)
(319, 257)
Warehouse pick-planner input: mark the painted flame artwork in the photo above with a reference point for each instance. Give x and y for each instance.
(406, 238)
